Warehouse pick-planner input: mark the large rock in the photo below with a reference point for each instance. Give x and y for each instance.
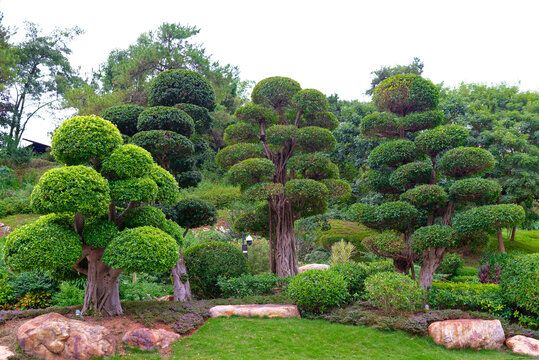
(468, 333)
(5, 354)
(523, 345)
(313, 267)
(149, 339)
(53, 336)
(269, 310)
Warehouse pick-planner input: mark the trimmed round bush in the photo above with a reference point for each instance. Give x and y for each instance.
(233, 154)
(392, 153)
(281, 134)
(251, 171)
(520, 282)
(403, 94)
(82, 139)
(208, 261)
(310, 101)
(408, 175)
(263, 191)
(464, 161)
(127, 161)
(71, 189)
(188, 179)
(144, 216)
(451, 264)
(435, 236)
(174, 230)
(396, 215)
(241, 133)
(166, 118)
(354, 275)
(173, 87)
(211, 235)
(489, 218)
(254, 114)
(276, 91)
(315, 166)
(142, 249)
(308, 196)
(392, 292)
(417, 121)
(125, 117)
(192, 213)
(426, 196)
(164, 145)
(379, 124)
(313, 139)
(476, 190)
(387, 243)
(364, 213)
(99, 233)
(323, 119)
(338, 189)
(167, 187)
(139, 190)
(378, 181)
(318, 290)
(441, 138)
(200, 116)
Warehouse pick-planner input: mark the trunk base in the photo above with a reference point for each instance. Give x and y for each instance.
(182, 288)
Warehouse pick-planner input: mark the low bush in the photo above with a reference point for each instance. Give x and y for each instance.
(15, 205)
(220, 195)
(249, 285)
(146, 287)
(318, 290)
(318, 256)
(68, 295)
(341, 253)
(391, 292)
(208, 261)
(519, 283)
(35, 281)
(375, 267)
(354, 275)
(451, 264)
(35, 300)
(348, 231)
(211, 235)
(358, 315)
(472, 279)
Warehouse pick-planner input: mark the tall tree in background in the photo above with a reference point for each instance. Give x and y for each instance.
(42, 74)
(7, 56)
(276, 154)
(415, 67)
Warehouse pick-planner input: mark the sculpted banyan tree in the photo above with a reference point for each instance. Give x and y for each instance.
(276, 154)
(435, 198)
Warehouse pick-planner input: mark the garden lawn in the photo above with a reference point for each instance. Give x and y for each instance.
(525, 241)
(255, 338)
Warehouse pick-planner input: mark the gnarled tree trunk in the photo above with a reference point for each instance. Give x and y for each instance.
(182, 289)
(286, 259)
(102, 294)
(432, 259)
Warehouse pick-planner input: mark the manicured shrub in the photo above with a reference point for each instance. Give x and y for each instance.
(396, 215)
(464, 161)
(451, 264)
(254, 114)
(144, 216)
(249, 285)
(233, 154)
(392, 292)
(127, 161)
(189, 179)
(168, 192)
(324, 119)
(173, 87)
(354, 274)
(388, 243)
(175, 231)
(34, 281)
(192, 213)
(275, 92)
(221, 196)
(379, 124)
(208, 261)
(138, 190)
(310, 101)
(408, 175)
(378, 181)
(313, 138)
(163, 145)
(434, 236)
(99, 233)
(251, 171)
(427, 197)
(318, 290)
(392, 153)
(211, 236)
(125, 117)
(421, 120)
(166, 118)
(241, 133)
(441, 138)
(281, 134)
(200, 116)
(519, 282)
(488, 218)
(477, 190)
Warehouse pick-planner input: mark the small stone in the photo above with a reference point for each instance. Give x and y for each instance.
(313, 267)
(269, 310)
(5, 354)
(149, 339)
(523, 345)
(166, 298)
(468, 333)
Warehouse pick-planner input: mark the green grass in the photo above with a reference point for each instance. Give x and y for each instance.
(255, 338)
(525, 241)
(14, 221)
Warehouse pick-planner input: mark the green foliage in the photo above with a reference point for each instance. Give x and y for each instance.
(435, 236)
(71, 189)
(364, 213)
(37, 300)
(318, 256)
(240, 133)
(44, 244)
(410, 174)
(387, 243)
(168, 192)
(488, 218)
(207, 262)
(451, 264)
(441, 138)
(354, 275)
(393, 292)
(127, 161)
(396, 215)
(211, 236)
(192, 213)
(421, 120)
(263, 191)
(341, 253)
(254, 114)
(276, 92)
(324, 119)
(403, 94)
(392, 153)
(147, 287)
(477, 190)
(465, 161)
(251, 171)
(378, 180)
(318, 290)
(143, 216)
(99, 233)
(68, 295)
(142, 249)
(200, 115)
(310, 101)
(314, 138)
(426, 196)
(281, 134)
(125, 117)
(308, 196)
(82, 139)
(166, 118)
(29, 282)
(138, 190)
(343, 230)
(220, 196)
(254, 222)
(189, 179)
(338, 189)
(173, 87)
(249, 285)
(233, 154)
(174, 230)
(379, 124)
(315, 166)
(519, 282)
(164, 145)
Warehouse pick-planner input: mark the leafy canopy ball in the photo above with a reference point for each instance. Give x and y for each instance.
(163, 144)
(168, 190)
(338, 189)
(83, 139)
(396, 215)
(281, 134)
(166, 118)
(188, 179)
(392, 153)
(144, 216)
(276, 92)
(378, 181)
(236, 153)
(385, 243)
(174, 230)
(125, 117)
(200, 116)
(403, 94)
(435, 236)
(441, 138)
(75, 189)
(240, 133)
(173, 87)
(408, 175)
(488, 218)
(251, 171)
(308, 196)
(254, 114)
(314, 138)
(142, 249)
(310, 101)
(477, 190)
(323, 119)
(192, 213)
(127, 161)
(379, 124)
(426, 196)
(465, 161)
(138, 190)
(99, 233)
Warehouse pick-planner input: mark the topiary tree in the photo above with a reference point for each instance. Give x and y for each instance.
(275, 153)
(98, 216)
(425, 166)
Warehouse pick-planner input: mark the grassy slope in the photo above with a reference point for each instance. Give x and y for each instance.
(525, 240)
(240, 338)
(347, 230)
(14, 221)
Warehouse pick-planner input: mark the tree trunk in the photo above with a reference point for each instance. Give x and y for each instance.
(513, 232)
(286, 259)
(432, 259)
(401, 266)
(102, 294)
(182, 289)
(271, 242)
(500, 241)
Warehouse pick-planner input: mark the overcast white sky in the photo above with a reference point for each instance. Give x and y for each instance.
(328, 45)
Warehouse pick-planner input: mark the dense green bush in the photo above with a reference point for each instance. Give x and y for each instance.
(391, 292)
(318, 256)
(477, 190)
(281, 134)
(208, 261)
(251, 171)
(275, 91)
(147, 287)
(392, 153)
(410, 174)
(233, 154)
(464, 161)
(421, 120)
(324, 119)
(519, 282)
(166, 118)
(451, 264)
(221, 196)
(249, 285)
(379, 124)
(426, 196)
(211, 235)
(488, 218)
(313, 138)
(144, 216)
(240, 133)
(138, 190)
(189, 179)
(441, 138)
(125, 117)
(318, 290)
(192, 213)
(355, 275)
(433, 236)
(68, 295)
(396, 215)
(127, 161)
(200, 116)
(15, 205)
(163, 144)
(31, 282)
